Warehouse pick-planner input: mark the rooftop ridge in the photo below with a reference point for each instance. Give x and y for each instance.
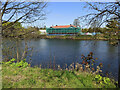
(62, 26)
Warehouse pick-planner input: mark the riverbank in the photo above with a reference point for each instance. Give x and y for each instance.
(76, 37)
(80, 37)
(23, 76)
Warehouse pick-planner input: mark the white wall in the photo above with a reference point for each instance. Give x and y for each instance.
(43, 31)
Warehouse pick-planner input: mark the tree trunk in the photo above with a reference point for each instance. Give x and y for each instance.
(119, 66)
(25, 51)
(0, 21)
(0, 45)
(119, 76)
(17, 51)
(0, 33)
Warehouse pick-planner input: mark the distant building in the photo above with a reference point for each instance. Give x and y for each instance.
(88, 33)
(94, 33)
(43, 31)
(64, 30)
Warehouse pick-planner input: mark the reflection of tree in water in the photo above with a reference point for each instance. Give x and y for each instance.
(16, 48)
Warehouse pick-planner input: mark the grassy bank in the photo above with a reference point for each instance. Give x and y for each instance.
(84, 37)
(81, 37)
(76, 37)
(16, 76)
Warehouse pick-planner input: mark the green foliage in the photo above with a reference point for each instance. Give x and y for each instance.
(22, 63)
(106, 80)
(13, 30)
(36, 77)
(9, 62)
(85, 30)
(29, 77)
(113, 25)
(100, 79)
(91, 30)
(112, 29)
(31, 81)
(17, 30)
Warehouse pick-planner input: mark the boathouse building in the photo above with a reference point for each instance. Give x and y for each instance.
(63, 29)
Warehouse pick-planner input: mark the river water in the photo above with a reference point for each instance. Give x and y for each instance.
(68, 51)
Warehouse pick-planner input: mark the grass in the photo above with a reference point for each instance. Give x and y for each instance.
(81, 37)
(29, 77)
(0, 77)
(76, 37)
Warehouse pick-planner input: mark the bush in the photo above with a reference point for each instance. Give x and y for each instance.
(22, 63)
(78, 35)
(100, 79)
(67, 35)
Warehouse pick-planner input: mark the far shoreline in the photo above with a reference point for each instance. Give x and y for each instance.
(81, 37)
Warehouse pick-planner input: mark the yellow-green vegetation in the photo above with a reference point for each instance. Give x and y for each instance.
(21, 75)
(82, 37)
(17, 30)
(0, 77)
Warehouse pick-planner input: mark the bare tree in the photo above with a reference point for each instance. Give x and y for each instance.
(76, 22)
(24, 12)
(104, 11)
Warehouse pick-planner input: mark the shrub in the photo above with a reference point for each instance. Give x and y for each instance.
(100, 79)
(22, 63)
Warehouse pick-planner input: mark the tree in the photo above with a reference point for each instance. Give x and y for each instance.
(23, 12)
(14, 30)
(15, 13)
(0, 33)
(0, 21)
(104, 12)
(112, 28)
(85, 30)
(76, 22)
